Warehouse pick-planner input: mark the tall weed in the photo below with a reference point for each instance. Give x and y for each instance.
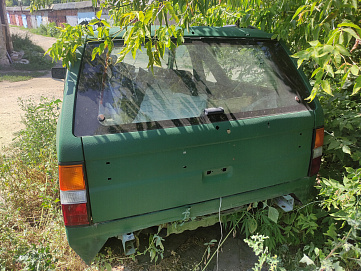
(32, 233)
(49, 30)
(32, 52)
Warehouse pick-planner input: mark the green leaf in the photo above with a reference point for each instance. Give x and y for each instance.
(335, 144)
(105, 23)
(171, 11)
(326, 87)
(346, 149)
(101, 48)
(148, 16)
(313, 92)
(328, 48)
(342, 50)
(319, 69)
(299, 62)
(305, 259)
(252, 225)
(354, 70)
(329, 70)
(90, 29)
(349, 24)
(357, 86)
(108, 266)
(298, 11)
(314, 43)
(333, 36)
(354, 4)
(95, 52)
(273, 214)
(337, 267)
(99, 14)
(351, 32)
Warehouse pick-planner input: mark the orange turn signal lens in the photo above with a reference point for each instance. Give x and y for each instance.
(319, 138)
(71, 177)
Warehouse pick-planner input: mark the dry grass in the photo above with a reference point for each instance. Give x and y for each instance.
(32, 233)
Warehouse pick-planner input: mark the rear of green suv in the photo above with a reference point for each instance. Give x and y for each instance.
(223, 119)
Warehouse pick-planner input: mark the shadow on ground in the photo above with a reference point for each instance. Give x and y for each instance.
(187, 251)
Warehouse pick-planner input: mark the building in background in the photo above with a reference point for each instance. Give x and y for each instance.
(72, 13)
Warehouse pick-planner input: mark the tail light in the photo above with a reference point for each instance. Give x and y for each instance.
(73, 195)
(316, 152)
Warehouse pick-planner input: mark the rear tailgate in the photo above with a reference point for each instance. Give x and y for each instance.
(140, 172)
(151, 144)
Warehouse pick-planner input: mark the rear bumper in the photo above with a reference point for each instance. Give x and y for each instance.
(88, 240)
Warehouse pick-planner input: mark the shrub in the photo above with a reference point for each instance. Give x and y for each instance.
(32, 233)
(33, 53)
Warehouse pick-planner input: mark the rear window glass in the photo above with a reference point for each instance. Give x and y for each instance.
(202, 81)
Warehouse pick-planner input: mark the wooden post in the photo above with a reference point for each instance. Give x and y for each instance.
(5, 26)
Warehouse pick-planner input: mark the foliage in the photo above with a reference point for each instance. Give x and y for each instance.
(155, 247)
(342, 200)
(32, 233)
(342, 133)
(322, 31)
(264, 257)
(40, 122)
(37, 258)
(23, 43)
(50, 30)
(33, 53)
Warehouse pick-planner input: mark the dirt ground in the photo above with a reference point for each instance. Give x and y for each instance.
(182, 251)
(10, 112)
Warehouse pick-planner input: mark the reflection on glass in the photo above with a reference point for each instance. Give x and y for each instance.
(237, 77)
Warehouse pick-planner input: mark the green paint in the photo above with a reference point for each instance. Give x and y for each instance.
(87, 241)
(140, 179)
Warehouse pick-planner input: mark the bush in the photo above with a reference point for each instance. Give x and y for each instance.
(32, 233)
(33, 53)
(49, 30)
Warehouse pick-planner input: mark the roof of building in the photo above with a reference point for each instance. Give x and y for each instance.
(62, 6)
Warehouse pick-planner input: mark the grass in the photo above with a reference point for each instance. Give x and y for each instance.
(32, 233)
(48, 30)
(33, 53)
(38, 66)
(17, 77)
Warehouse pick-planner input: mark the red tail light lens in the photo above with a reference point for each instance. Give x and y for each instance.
(75, 214)
(315, 166)
(316, 152)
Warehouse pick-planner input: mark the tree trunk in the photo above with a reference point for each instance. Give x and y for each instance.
(5, 41)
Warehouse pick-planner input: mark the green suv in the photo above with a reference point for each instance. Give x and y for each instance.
(223, 122)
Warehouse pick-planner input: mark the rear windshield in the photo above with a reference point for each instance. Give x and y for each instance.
(201, 81)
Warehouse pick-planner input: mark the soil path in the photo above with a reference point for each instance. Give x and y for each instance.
(10, 112)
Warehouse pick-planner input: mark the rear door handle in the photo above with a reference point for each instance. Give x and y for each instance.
(213, 111)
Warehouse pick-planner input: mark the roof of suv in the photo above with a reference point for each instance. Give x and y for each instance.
(208, 31)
